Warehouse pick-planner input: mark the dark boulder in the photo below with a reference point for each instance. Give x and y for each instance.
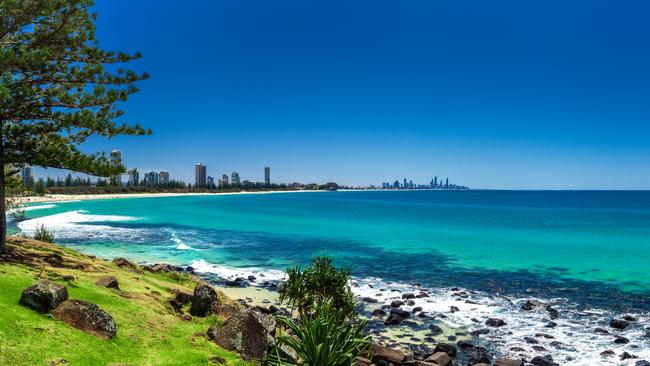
(438, 358)
(403, 313)
(621, 340)
(554, 314)
(408, 296)
(161, 267)
(543, 361)
(87, 317)
(454, 309)
(435, 330)
(369, 299)
(619, 324)
(108, 282)
(479, 332)
(378, 312)
(532, 304)
(394, 319)
(495, 322)
(628, 318)
(607, 353)
(465, 345)
(478, 355)
(44, 296)
(601, 331)
(182, 297)
(642, 363)
(202, 300)
(397, 303)
(625, 356)
(248, 332)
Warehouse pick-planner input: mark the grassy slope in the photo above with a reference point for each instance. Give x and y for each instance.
(148, 331)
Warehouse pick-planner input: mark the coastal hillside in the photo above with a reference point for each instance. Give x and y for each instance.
(149, 330)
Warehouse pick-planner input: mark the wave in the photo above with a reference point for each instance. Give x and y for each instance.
(180, 244)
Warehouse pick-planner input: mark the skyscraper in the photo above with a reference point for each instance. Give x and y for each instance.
(435, 182)
(164, 177)
(152, 179)
(200, 175)
(211, 182)
(267, 176)
(447, 183)
(223, 182)
(234, 179)
(116, 159)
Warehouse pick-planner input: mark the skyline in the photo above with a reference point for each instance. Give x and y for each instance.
(355, 93)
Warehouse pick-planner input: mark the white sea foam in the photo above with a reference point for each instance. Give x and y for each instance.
(180, 244)
(38, 207)
(231, 273)
(80, 224)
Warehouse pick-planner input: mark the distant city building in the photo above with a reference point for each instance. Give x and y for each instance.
(134, 178)
(116, 159)
(234, 179)
(27, 175)
(267, 176)
(211, 182)
(223, 182)
(200, 176)
(152, 179)
(447, 183)
(435, 182)
(163, 177)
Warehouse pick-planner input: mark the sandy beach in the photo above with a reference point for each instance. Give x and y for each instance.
(51, 198)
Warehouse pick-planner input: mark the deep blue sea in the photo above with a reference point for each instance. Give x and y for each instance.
(586, 251)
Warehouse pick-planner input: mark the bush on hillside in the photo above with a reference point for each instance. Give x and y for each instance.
(43, 234)
(327, 337)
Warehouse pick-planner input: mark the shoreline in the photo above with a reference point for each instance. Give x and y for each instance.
(53, 198)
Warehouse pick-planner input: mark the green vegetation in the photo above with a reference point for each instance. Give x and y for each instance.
(58, 87)
(329, 331)
(306, 290)
(328, 338)
(149, 332)
(43, 234)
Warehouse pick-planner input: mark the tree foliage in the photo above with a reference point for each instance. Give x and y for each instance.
(58, 87)
(321, 281)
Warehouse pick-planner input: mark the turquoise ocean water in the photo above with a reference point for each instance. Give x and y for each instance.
(588, 251)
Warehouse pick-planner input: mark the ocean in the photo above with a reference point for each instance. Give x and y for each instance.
(586, 252)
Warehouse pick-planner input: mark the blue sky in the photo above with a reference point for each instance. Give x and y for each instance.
(508, 94)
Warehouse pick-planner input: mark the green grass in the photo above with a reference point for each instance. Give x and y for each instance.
(149, 333)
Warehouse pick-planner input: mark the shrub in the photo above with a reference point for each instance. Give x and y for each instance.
(328, 337)
(307, 290)
(43, 234)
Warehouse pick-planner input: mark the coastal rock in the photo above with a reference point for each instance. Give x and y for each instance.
(554, 314)
(248, 332)
(43, 296)
(479, 332)
(446, 348)
(601, 331)
(86, 317)
(394, 319)
(369, 299)
(543, 361)
(508, 362)
(182, 297)
(495, 322)
(478, 355)
(387, 355)
(439, 358)
(619, 324)
(621, 340)
(202, 300)
(642, 363)
(123, 262)
(628, 318)
(397, 303)
(465, 345)
(68, 278)
(108, 282)
(607, 353)
(362, 361)
(625, 356)
(435, 330)
(532, 304)
(161, 267)
(378, 312)
(408, 296)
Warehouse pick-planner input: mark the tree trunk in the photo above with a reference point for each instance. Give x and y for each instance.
(3, 213)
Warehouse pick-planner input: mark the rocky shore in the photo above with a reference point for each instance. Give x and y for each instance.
(410, 325)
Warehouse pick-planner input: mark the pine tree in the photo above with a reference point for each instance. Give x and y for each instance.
(58, 87)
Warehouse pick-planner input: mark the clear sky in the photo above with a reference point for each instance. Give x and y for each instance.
(505, 94)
